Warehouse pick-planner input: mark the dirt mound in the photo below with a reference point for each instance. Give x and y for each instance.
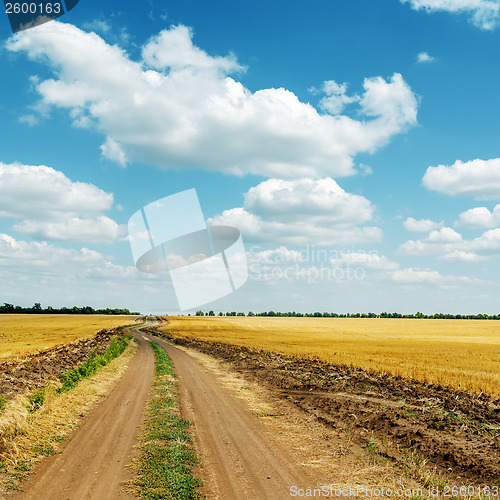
(38, 370)
(454, 432)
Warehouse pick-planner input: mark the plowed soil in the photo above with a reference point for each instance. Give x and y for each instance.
(456, 433)
(39, 370)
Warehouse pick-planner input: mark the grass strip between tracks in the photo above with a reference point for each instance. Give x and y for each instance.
(165, 466)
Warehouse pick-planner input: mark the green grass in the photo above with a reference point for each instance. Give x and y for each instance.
(165, 466)
(70, 378)
(3, 401)
(36, 400)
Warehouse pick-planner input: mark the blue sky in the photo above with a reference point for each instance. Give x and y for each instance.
(354, 144)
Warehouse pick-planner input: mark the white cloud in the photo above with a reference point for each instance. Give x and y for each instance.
(277, 255)
(42, 193)
(179, 108)
(480, 217)
(488, 243)
(411, 275)
(461, 256)
(483, 13)
(41, 272)
(424, 57)
(422, 225)
(308, 198)
(173, 50)
(53, 207)
(444, 235)
(366, 260)
(479, 178)
(335, 98)
(425, 276)
(449, 245)
(97, 26)
(114, 152)
(302, 212)
(29, 119)
(99, 230)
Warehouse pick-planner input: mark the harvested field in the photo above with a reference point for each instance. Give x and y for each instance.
(22, 334)
(434, 435)
(463, 355)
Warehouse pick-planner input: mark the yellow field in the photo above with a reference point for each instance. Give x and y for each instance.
(461, 354)
(27, 333)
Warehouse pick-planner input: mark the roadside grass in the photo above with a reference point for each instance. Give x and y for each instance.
(32, 425)
(165, 466)
(70, 378)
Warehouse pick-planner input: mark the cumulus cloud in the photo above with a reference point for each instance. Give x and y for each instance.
(422, 225)
(369, 260)
(39, 271)
(53, 207)
(480, 217)
(336, 97)
(178, 107)
(425, 276)
(301, 212)
(314, 199)
(42, 193)
(449, 245)
(461, 256)
(444, 235)
(484, 14)
(42, 254)
(478, 178)
(424, 57)
(99, 230)
(114, 152)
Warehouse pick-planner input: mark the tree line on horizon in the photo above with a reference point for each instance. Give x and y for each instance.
(38, 309)
(417, 315)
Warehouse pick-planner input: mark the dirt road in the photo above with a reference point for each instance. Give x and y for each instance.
(239, 461)
(92, 464)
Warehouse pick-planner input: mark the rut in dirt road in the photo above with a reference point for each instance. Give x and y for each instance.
(92, 464)
(239, 462)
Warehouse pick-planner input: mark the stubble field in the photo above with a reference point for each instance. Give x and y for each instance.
(22, 334)
(459, 354)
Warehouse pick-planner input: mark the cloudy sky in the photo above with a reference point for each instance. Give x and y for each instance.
(354, 143)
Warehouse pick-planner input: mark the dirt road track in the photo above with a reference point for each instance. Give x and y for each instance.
(239, 461)
(92, 463)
